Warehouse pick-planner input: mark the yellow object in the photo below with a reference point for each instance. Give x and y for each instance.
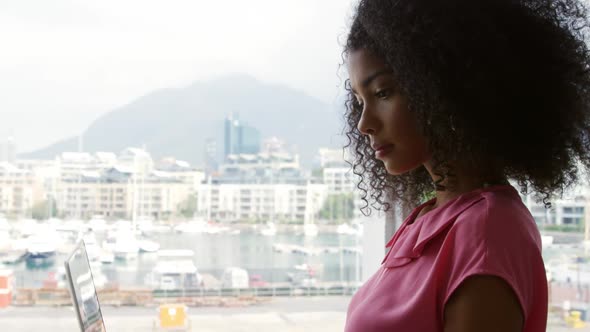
(173, 317)
(573, 320)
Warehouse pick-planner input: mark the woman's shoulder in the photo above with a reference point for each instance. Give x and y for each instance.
(499, 217)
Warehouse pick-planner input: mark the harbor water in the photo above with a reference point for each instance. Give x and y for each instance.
(336, 258)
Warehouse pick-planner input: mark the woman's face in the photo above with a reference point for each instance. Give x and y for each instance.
(386, 120)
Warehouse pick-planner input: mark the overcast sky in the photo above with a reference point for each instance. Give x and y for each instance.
(65, 62)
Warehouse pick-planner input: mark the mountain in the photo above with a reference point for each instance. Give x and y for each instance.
(176, 122)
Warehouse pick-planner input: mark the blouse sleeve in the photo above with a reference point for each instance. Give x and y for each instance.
(497, 240)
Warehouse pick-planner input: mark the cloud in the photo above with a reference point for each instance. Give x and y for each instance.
(66, 62)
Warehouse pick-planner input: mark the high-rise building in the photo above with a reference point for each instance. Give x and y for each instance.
(273, 145)
(232, 126)
(8, 150)
(249, 140)
(210, 155)
(240, 138)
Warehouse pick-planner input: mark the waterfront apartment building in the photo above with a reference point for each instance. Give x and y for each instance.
(128, 185)
(18, 191)
(262, 187)
(180, 170)
(260, 166)
(338, 179)
(336, 172)
(338, 176)
(569, 210)
(119, 193)
(72, 164)
(262, 202)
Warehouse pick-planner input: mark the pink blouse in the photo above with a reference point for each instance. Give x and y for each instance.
(488, 231)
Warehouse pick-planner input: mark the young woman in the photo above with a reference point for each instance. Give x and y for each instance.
(455, 98)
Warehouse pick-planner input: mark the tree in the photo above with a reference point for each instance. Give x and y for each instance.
(338, 207)
(45, 209)
(188, 207)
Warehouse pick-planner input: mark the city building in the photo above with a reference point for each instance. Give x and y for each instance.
(8, 150)
(137, 159)
(261, 187)
(338, 179)
(210, 156)
(240, 138)
(261, 168)
(261, 202)
(129, 185)
(568, 210)
(119, 192)
(180, 170)
(71, 164)
(332, 157)
(18, 189)
(338, 176)
(273, 145)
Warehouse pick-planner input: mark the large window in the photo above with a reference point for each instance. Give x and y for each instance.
(196, 148)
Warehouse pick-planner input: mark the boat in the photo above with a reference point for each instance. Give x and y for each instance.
(27, 227)
(122, 241)
(126, 248)
(299, 250)
(256, 281)
(13, 257)
(310, 230)
(73, 226)
(148, 246)
(93, 249)
(42, 249)
(5, 241)
(19, 244)
(123, 244)
(148, 226)
(330, 250)
(106, 257)
(235, 277)
(216, 229)
(60, 278)
(97, 224)
(193, 226)
(302, 276)
(174, 269)
(122, 225)
(4, 224)
(352, 250)
(269, 229)
(196, 226)
(282, 248)
(546, 240)
(345, 229)
(99, 279)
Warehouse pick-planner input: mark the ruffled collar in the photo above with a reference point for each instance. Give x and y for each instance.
(415, 232)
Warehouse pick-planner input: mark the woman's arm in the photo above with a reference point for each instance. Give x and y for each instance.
(483, 304)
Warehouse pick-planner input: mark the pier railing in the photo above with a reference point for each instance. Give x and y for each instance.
(273, 291)
(191, 297)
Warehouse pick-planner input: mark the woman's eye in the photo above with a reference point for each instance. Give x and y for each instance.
(382, 94)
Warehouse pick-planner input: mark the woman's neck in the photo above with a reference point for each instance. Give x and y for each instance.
(461, 184)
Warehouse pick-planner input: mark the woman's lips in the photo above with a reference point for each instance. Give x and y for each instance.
(383, 150)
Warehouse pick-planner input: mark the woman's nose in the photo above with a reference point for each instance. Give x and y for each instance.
(368, 123)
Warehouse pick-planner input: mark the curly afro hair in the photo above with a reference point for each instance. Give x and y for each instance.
(500, 86)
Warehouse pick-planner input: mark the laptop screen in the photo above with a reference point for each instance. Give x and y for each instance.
(83, 291)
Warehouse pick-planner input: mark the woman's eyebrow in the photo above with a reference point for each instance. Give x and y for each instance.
(365, 83)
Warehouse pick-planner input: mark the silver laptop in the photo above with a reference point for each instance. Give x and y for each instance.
(83, 292)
